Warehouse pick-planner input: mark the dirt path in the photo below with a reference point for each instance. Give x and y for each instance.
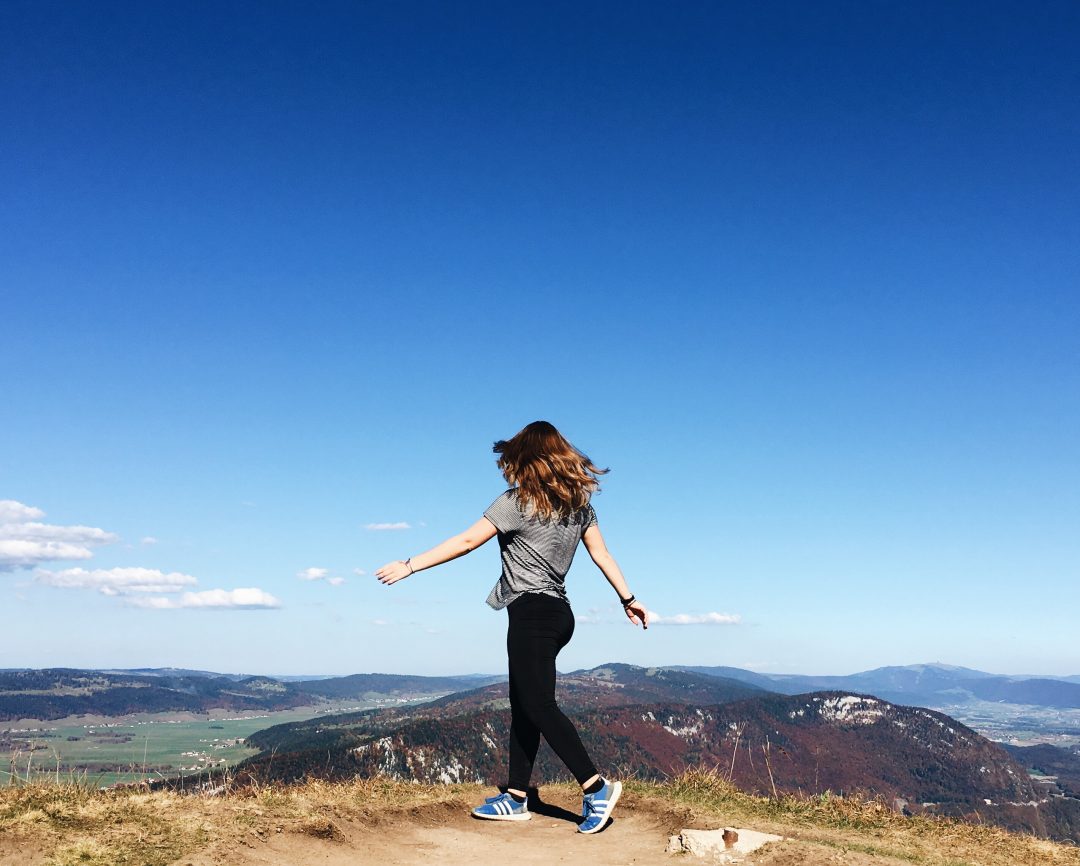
(637, 836)
(449, 836)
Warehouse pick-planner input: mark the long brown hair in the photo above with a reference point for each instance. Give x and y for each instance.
(550, 474)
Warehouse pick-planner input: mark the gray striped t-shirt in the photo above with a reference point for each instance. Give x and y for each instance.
(536, 554)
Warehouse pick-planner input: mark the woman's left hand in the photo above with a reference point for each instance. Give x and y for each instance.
(637, 613)
(392, 572)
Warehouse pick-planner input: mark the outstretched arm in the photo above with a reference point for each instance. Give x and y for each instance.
(594, 543)
(479, 533)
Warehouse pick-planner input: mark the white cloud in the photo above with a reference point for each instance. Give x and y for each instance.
(379, 622)
(25, 554)
(387, 527)
(15, 512)
(695, 619)
(359, 572)
(24, 542)
(117, 581)
(49, 532)
(249, 598)
(320, 574)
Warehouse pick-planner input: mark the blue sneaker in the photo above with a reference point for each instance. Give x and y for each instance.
(503, 808)
(596, 808)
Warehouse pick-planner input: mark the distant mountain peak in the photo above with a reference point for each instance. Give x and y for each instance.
(952, 669)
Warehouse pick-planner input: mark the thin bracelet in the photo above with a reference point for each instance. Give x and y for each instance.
(408, 562)
(628, 601)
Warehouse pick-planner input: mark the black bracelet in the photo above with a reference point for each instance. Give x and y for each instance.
(626, 602)
(408, 562)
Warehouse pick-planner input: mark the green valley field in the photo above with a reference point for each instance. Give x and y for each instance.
(104, 750)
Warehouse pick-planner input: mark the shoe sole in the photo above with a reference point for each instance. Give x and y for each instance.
(616, 792)
(525, 816)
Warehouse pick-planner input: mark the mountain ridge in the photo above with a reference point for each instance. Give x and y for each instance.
(54, 693)
(919, 760)
(932, 684)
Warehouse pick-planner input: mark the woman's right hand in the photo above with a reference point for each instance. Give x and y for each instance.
(638, 613)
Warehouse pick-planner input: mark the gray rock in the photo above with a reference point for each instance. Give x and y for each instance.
(727, 845)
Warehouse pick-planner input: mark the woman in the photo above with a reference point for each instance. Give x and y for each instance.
(539, 522)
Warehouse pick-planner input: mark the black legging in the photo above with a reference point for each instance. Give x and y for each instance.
(540, 626)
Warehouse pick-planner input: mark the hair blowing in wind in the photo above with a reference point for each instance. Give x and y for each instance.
(551, 475)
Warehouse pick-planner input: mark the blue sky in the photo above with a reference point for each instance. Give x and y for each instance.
(803, 275)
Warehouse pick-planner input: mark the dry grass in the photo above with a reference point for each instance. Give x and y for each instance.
(80, 825)
(73, 824)
(869, 827)
(100, 828)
